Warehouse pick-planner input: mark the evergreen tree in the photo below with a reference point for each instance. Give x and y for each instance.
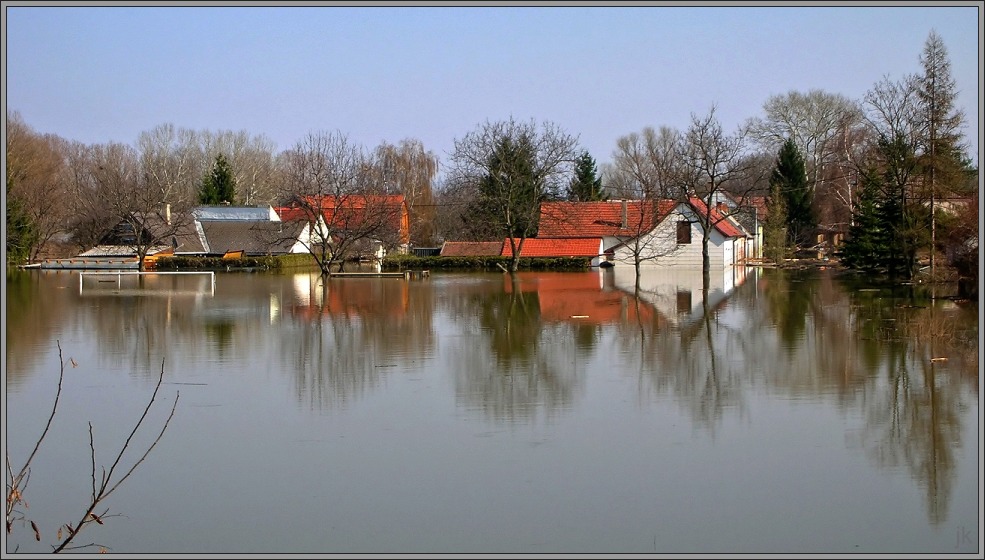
(866, 246)
(510, 188)
(890, 225)
(790, 176)
(586, 186)
(775, 226)
(21, 231)
(219, 185)
(905, 220)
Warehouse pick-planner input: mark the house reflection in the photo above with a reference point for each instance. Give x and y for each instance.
(316, 296)
(677, 293)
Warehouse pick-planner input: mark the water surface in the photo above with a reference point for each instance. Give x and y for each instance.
(776, 412)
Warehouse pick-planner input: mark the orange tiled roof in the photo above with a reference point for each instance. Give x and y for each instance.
(557, 247)
(597, 219)
(351, 212)
(584, 219)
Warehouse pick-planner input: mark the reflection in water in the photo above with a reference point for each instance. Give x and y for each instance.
(693, 355)
(915, 400)
(343, 335)
(512, 357)
(514, 348)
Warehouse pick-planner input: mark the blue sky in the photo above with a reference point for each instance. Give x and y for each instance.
(100, 74)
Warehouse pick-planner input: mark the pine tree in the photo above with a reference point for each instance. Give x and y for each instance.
(586, 186)
(790, 176)
(219, 186)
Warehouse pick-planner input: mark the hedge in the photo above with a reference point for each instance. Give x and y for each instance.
(278, 262)
(411, 262)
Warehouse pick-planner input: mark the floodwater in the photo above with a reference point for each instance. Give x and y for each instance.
(776, 412)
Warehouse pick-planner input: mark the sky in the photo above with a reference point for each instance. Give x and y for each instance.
(384, 73)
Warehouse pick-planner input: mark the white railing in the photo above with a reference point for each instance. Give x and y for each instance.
(119, 274)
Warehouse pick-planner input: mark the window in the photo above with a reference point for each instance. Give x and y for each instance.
(683, 232)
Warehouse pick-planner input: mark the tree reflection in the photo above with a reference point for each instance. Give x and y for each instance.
(343, 336)
(914, 401)
(510, 363)
(685, 350)
(36, 311)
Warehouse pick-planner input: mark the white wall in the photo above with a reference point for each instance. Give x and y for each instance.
(660, 247)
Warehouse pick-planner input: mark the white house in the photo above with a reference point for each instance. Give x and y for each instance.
(653, 232)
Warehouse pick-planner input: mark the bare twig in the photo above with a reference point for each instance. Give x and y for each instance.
(106, 485)
(16, 483)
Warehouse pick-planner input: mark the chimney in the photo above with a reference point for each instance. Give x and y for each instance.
(625, 214)
(167, 214)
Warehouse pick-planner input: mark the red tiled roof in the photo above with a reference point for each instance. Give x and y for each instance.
(584, 219)
(471, 248)
(351, 212)
(587, 219)
(556, 247)
(718, 220)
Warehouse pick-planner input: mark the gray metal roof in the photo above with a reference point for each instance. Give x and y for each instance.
(248, 213)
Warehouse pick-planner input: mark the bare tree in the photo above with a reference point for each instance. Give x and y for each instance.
(647, 164)
(251, 159)
(170, 164)
(103, 484)
(818, 123)
(940, 124)
(35, 169)
(330, 184)
(512, 167)
(112, 195)
(451, 202)
(891, 108)
(409, 169)
(711, 162)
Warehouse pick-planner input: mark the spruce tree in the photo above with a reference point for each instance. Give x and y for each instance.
(510, 187)
(586, 186)
(790, 176)
(866, 245)
(219, 185)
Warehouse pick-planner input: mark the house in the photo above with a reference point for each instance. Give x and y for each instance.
(201, 231)
(656, 232)
(381, 220)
